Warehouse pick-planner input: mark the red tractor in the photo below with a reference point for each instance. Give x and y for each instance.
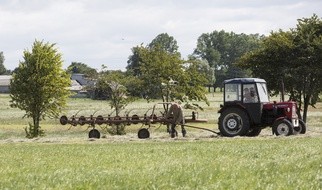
(247, 110)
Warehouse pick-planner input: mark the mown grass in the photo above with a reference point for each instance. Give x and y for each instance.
(67, 159)
(239, 163)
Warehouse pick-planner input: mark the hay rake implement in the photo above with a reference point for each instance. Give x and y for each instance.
(146, 120)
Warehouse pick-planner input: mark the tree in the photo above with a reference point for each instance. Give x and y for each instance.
(197, 76)
(110, 86)
(221, 49)
(40, 85)
(158, 67)
(160, 72)
(118, 101)
(308, 66)
(168, 77)
(162, 41)
(78, 67)
(166, 42)
(118, 96)
(134, 62)
(3, 70)
(205, 70)
(102, 89)
(294, 58)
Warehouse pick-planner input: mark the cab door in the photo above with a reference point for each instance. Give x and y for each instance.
(251, 103)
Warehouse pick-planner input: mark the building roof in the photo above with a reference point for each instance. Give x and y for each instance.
(5, 81)
(75, 86)
(80, 78)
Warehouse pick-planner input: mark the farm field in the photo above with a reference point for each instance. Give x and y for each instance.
(67, 159)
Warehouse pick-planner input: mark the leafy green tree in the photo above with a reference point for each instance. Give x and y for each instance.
(78, 67)
(162, 41)
(127, 79)
(118, 96)
(40, 85)
(169, 77)
(133, 85)
(166, 42)
(118, 100)
(159, 72)
(134, 62)
(205, 70)
(221, 49)
(294, 58)
(3, 70)
(158, 68)
(197, 75)
(308, 66)
(110, 86)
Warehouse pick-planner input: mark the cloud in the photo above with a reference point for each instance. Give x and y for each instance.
(98, 32)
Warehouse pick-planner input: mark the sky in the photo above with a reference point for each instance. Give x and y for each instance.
(103, 32)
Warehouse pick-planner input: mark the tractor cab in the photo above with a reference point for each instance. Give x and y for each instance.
(245, 91)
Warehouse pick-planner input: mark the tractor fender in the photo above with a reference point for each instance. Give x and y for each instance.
(278, 119)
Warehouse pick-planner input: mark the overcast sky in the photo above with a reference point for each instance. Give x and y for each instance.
(98, 32)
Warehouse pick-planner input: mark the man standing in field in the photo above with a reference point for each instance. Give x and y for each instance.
(176, 112)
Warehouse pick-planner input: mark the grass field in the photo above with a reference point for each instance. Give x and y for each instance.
(67, 159)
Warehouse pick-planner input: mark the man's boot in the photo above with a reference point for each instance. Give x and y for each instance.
(184, 132)
(174, 133)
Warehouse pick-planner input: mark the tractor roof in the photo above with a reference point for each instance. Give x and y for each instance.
(244, 80)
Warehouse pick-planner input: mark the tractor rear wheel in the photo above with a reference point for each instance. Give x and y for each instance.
(233, 122)
(301, 129)
(283, 127)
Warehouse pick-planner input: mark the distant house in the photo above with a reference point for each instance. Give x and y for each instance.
(75, 86)
(79, 84)
(5, 83)
(81, 79)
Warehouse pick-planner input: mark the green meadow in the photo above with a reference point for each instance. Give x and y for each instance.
(66, 159)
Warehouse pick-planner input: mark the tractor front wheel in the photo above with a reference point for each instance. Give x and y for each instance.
(283, 127)
(233, 122)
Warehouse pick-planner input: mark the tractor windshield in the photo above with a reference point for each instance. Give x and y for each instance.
(262, 92)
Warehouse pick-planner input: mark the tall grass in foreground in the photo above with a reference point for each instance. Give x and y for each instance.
(225, 163)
